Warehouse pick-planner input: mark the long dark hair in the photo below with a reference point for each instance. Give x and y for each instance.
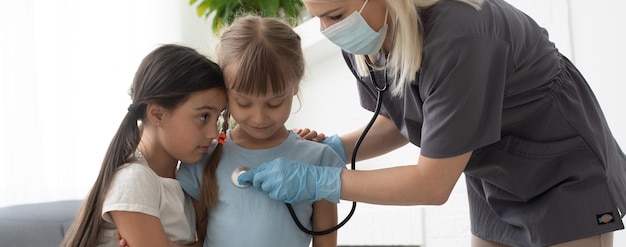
(166, 76)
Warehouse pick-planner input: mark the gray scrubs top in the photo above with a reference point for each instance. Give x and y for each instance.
(545, 168)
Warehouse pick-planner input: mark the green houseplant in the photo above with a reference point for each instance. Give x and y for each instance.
(225, 11)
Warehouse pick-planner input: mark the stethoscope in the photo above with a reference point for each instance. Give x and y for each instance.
(380, 90)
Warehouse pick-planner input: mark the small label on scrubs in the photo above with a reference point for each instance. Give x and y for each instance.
(605, 218)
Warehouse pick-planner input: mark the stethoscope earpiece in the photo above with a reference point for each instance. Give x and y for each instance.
(234, 177)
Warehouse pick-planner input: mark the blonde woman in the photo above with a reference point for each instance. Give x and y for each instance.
(481, 89)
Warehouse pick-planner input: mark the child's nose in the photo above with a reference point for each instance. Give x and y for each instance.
(259, 116)
(212, 131)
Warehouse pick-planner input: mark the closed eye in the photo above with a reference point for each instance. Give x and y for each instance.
(243, 105)
(335, 17)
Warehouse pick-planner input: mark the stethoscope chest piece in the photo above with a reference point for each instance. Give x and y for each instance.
(235, 175)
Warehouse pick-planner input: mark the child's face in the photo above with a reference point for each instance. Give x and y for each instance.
(262, 118)
(188, 130)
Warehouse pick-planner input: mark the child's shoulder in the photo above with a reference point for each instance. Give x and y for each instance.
(135, 169)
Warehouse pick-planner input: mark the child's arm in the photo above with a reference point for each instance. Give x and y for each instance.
(324, 217)
(139, 229)
(123, 243)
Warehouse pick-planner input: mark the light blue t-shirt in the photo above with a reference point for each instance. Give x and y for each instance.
(248, 217)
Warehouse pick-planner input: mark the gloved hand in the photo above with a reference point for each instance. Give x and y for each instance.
(335, 143)
(291, 181)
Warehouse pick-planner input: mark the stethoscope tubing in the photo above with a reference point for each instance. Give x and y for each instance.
(379, 101)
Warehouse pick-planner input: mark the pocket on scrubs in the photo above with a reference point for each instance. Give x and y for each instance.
(518, 170)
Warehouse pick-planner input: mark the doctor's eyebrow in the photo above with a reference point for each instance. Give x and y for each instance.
(328, 12)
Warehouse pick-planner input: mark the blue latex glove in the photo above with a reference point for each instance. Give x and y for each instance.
(335, 143)
(291, 181)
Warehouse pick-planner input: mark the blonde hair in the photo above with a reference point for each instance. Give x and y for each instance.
(406, 56)
(258, 54)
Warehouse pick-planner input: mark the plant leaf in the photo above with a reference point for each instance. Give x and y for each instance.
(269, 7)
(203, 7)
(227, 10)
(292, 10)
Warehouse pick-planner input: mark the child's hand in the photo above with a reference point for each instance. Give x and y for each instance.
(122, 241)
(310, 135)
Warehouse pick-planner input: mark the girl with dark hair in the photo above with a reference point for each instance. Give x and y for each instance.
(177, 97)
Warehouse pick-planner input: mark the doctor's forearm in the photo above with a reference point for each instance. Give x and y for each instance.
(430, 182)
(382, 138)
(390, 186)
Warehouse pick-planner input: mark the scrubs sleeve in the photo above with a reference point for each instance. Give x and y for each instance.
(462, 83)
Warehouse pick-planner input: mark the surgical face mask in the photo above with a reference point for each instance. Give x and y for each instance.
(355, 36)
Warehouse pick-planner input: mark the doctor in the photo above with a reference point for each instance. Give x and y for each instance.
(480, 88)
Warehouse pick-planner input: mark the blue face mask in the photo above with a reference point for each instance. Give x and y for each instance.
(355, 36)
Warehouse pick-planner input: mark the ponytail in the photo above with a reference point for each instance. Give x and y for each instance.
(87, 226)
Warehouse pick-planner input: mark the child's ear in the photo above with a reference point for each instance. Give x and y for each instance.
(155, 113)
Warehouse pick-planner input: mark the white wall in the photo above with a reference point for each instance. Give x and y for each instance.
(598, 52)
(65, 70)
(598, 38)
(585, 31)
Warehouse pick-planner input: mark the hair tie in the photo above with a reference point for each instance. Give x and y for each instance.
(132, 108)
(221, 139)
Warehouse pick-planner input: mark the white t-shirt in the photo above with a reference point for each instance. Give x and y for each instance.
(137, 188)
